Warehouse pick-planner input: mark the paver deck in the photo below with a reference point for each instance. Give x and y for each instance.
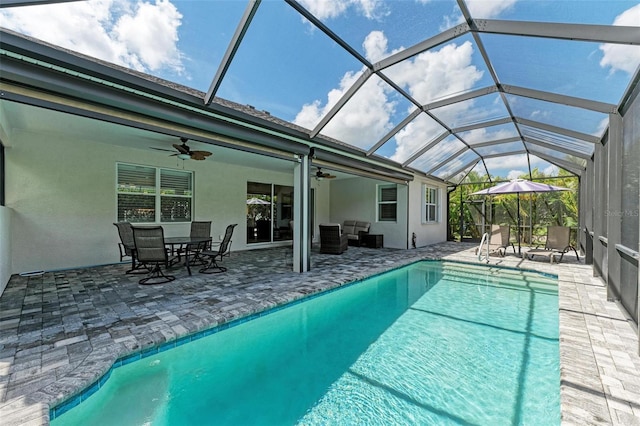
(61, 331)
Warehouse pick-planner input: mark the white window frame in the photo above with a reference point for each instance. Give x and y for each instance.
(430, 198)
(158, 193)
(379, 202)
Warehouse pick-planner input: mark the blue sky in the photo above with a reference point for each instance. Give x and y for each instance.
(291, 69)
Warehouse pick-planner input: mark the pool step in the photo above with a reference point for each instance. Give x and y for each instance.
(506, 277)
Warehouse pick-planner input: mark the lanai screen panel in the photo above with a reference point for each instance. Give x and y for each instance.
(379, 28)
(491, 133)
(499, 148)
(472, 111)
(552, 153)
(572, 118)
(439, 153)
(276, 67)
(452, 68)
(509, 166)
(576, 12)
(374, 110)
(452, 166)
(566, 67)
(556, 139)
(411, 138)
(163, 39)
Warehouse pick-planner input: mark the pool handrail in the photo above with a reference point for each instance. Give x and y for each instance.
(485, 238)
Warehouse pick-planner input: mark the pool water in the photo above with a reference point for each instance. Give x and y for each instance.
(432, 343)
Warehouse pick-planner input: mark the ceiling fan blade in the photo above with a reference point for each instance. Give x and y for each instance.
(197, 155)
(161, 149)
(182, 148)
(201, 153)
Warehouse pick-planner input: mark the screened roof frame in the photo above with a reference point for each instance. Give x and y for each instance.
(564, 31)
(582, 32)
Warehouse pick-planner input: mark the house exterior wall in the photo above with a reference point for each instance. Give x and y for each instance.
(62, 194)
(322, 191)
(5, 247)
(356, 199)
(426, 233)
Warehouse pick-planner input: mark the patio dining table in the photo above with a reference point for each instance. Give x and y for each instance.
(179, 241)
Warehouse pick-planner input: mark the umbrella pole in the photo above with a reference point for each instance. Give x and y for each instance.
(518, 208)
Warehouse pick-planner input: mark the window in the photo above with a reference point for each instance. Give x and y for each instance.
(431, 207)
(387, 203)
(144, 191)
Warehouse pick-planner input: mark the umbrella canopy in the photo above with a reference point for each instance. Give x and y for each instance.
(257, 201)
(518, 186)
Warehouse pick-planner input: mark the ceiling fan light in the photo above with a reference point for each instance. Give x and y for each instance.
(184, 156)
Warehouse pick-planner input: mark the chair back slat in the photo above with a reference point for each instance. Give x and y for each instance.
(125, 232)
(558, 237)
(149, 243)
(224, 245)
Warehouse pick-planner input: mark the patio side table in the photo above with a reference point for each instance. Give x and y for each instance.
(372, 240)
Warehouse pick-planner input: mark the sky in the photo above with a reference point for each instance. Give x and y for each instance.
(288, 67)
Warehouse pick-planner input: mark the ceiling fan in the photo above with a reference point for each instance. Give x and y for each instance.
(184, 152)
(321, 175)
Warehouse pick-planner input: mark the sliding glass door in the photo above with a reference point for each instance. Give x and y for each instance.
(269, 212)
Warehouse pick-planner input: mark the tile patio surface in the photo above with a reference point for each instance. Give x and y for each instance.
(61, 331)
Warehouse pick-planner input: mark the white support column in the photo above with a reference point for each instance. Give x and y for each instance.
(301, 237)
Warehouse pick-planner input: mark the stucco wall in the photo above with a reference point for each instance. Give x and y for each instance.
(426, 233)
(322, 191)
(5, 247)
(62, 193)
(355, 199)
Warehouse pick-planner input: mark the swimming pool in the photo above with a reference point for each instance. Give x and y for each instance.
(430, 343)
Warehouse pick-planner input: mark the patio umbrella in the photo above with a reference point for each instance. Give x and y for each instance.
(254, 201)
(518, 186)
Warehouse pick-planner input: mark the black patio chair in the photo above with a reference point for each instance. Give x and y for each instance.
(332, 240)
(201, 229)
(127, 247)
(224, 249)
(151, 252)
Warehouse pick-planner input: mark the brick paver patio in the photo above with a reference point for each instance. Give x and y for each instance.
(61, 331)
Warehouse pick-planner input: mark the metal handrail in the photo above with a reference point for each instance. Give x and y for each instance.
(485, 237)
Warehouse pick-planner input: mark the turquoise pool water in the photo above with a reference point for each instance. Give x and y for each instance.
(432, 343)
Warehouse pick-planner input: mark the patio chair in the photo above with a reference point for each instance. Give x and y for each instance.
(557, 243)
(224, 249)
(151, 252)
(198, 230)
(127, 247)
(332, 240)
(500, 240)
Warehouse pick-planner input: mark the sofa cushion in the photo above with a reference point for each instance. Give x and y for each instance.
(361, 226)
(353, 227)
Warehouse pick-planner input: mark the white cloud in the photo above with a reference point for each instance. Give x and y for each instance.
(622, 57)
(141, 35)
(486, 134)
(488, 8)
(511, 166)
(428, 76)
(328, 9)
(485, 9)
(367, 116)
(604, 123)
(515, 174)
